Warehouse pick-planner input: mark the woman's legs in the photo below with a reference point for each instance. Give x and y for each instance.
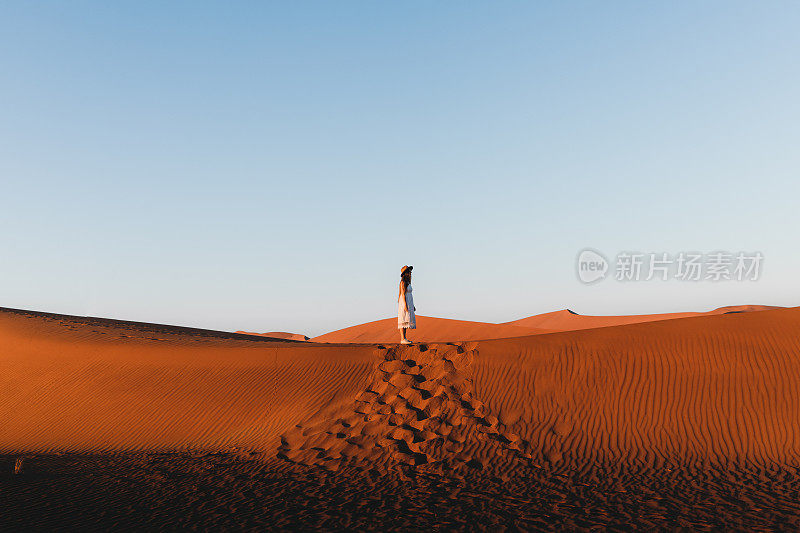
(403, 334)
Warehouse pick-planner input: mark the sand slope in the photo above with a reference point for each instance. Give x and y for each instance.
(715, 388)
(70, 385)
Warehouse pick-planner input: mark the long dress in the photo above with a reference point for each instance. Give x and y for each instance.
(405, 313)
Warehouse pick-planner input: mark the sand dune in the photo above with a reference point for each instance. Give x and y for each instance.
(432, 329)
(688, 423)
(429, 329)
(72, 385)
(711, 388)
(719, 388)
(567, 320)
(278, 335)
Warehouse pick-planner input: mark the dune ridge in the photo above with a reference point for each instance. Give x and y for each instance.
(567, 320)
(429, 329)
(278, 335)
(432, 329)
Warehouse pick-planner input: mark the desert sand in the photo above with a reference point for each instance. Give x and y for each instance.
(671, 422)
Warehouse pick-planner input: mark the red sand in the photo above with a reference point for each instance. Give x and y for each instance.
(78, 387)
(713, 396)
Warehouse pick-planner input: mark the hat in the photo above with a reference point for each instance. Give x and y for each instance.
(408, 268)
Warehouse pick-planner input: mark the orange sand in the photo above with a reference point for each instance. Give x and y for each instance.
(709, 388)
(681, 424)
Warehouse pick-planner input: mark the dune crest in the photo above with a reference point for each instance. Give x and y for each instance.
(429, 329)
(568, 320)
(432, 329)
(278, 335)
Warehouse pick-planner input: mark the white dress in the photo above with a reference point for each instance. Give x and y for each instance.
(405, 313)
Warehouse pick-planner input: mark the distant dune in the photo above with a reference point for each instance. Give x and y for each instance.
(566, 320)
(715, 388)
(432, 329)
(279, 335)
(429, 329)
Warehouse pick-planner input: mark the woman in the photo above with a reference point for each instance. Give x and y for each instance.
(406, 319)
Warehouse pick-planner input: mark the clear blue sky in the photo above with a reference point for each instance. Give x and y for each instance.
(271, 165)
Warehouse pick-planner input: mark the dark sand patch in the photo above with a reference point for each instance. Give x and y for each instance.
(239, 493)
